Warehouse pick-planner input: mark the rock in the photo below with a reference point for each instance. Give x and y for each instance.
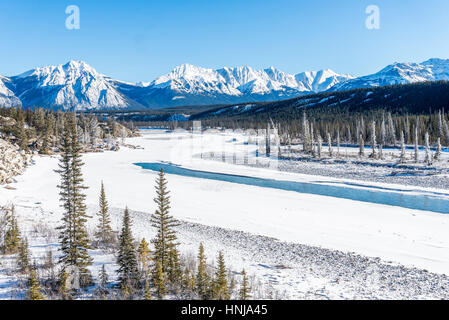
(13, 161)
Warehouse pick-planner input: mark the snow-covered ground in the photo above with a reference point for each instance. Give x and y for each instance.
(280, 227)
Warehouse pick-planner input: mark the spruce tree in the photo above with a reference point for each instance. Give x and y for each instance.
(159, 280)
(103, 280)
(34, 290)
(221, 281)
(147, 292)
(202, 278)
(127, 258)
(244, 293)
(23, 258)
(144, 255)
(165, 245)
(104, 234)
(73, 236)
(63, 285)
(12, 236)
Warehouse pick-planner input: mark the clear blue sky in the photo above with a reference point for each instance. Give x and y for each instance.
(140, 40)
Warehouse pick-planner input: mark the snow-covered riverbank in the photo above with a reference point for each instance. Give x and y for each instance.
(409, 237)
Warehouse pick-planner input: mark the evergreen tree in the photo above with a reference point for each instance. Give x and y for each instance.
(127, 258)
(144, 255)
(34, 289)
(12, 236)
(244, 293)
(104, 234)
(159, 280)
(23, 258)
(104, 279)
(73, 236)
(221, 282)
(147, 292)
(165, 245)
(63, 285)
(329, 144)
(202, 278)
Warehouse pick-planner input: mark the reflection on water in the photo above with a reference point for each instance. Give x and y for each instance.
(428, 202)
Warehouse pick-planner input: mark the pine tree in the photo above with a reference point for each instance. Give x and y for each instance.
(202, 278)
(159, 280)
(147, 292)
(127, 257)
(22, 137)
(104, 278)
(144, 255)
(329, 144)
(221, 282)
(104, 234)
(12, 236)
(34, 290)
(174, 272)
(73, 236)
(23, 258)
(165, 245)
(63, 285)
(245, 289)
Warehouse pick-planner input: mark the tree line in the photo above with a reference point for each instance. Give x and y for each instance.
(146, 270)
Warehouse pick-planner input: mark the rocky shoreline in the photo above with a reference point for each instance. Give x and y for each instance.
(13, 161)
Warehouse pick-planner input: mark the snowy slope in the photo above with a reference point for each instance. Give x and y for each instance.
(72, 86)
(7, 97)
(400, 73)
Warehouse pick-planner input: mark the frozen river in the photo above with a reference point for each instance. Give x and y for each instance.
(428, 201)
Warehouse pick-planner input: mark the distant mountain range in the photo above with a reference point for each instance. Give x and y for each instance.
(77, 86)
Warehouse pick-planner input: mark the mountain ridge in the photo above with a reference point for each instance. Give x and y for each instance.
(77, 86)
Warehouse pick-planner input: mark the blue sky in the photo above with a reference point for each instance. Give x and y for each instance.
(140, 40)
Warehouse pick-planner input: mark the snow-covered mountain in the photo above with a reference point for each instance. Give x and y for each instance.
(72, 86)
(400, 73)
(7, 97)
(188, 84)
(77, 86)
